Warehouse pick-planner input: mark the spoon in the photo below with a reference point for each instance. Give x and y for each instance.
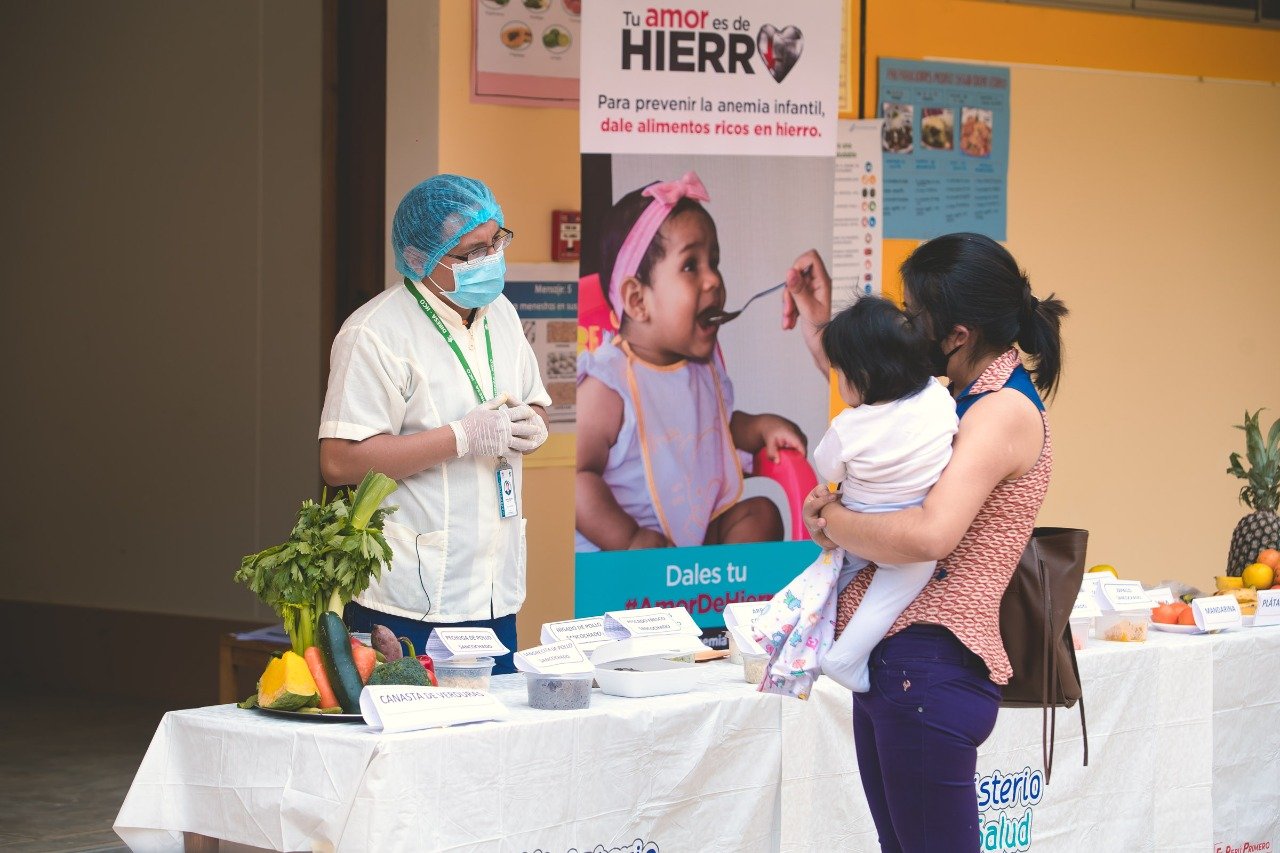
(719, 318)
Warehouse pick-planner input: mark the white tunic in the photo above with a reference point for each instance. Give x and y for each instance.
(889, 453)
(392, 372)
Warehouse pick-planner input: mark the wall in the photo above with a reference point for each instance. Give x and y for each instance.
(160, 258)
(1140, 462)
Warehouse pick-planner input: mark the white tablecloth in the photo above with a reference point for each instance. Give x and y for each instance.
(1184, 737)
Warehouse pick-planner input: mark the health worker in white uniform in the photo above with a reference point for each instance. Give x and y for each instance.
(434, 384)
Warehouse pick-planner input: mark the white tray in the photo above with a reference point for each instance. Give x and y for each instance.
(653, 677)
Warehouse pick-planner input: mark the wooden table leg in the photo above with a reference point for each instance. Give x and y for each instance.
(194, 842)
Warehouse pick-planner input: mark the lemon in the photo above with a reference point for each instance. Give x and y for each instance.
(1103, 567)
(1258, 576)
(1226, 582)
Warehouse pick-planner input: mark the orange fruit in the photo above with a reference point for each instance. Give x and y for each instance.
(1258, 575)
(1269, 557)
(1187, 617)
(1165, 614)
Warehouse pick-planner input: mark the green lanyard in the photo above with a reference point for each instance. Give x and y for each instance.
(453, 345)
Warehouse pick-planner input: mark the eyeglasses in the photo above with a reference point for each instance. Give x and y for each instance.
(500, 242)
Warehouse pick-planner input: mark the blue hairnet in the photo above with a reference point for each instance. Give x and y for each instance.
(433, 216)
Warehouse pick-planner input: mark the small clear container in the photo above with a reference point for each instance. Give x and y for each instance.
(559, 692)
(465, 673)
(1080, 629)
(735, 656)
(753, 667)
(1128, 626)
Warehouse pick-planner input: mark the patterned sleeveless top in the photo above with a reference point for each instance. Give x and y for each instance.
(964, 594)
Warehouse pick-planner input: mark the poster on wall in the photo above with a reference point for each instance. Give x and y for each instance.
(946, 148)
(547, 302)
(708, 163)
(526, 52)
(858, 227)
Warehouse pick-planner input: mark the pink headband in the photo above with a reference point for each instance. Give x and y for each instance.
(665, 196)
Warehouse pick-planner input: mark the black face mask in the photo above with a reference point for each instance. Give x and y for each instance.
(941, 358)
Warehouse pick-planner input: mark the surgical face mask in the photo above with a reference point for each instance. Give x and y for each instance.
(477, 283)
(941, 358)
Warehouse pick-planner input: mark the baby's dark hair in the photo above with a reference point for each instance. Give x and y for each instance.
(882, 354)
(617, 224)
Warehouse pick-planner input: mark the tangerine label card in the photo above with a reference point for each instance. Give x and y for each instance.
(1268, 607)
(1216, 613)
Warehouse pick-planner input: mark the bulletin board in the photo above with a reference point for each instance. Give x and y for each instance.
(1148, 203)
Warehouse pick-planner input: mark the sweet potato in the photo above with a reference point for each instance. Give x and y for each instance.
(384, 640)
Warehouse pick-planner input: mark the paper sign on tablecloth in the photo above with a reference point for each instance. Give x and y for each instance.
(1121, 596)
(649, 621)
(462, 643)
(587, 633)
(742, 614)
(1085, 607)
(1268, 608)
(559, 659)
(1161, 595)
(745, 640)
(398, 708)
(1216, 612)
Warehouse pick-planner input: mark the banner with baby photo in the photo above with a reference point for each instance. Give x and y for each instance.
(708, 140)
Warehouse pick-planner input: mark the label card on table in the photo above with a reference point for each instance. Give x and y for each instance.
(450, 643)
(1085, 606)
(745, 640)
(1121, 596)
(396, 708)
(1216, 612)
(742, 614)
(558, 659)
(587, 633)
(1161, 595)
(1268, 607)
(648, 621)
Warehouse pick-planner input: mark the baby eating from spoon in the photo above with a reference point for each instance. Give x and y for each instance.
(658, 438)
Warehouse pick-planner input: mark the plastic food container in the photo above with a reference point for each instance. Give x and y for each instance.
(753, 667)
(1123, 627)
(1080, 629)
(735, 656)
(559, 692)
(466, 674)
(639, 677)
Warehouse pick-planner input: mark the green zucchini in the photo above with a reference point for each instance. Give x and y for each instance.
(339, 665)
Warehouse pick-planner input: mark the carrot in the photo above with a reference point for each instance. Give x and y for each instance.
(328, 699)
(366, 660)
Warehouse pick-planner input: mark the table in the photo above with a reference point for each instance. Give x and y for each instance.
(1184, 736)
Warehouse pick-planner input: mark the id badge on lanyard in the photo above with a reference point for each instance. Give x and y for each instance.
(506, 478)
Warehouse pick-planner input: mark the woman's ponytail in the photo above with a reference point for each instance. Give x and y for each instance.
(1040, 335)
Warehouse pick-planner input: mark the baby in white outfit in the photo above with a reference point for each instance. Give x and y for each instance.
(886, 451)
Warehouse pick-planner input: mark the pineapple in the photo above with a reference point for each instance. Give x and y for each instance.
(1261, 528)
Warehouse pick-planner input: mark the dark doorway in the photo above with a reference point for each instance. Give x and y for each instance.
(355, 122)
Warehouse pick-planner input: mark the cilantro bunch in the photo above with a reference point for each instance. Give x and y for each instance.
(335, 550)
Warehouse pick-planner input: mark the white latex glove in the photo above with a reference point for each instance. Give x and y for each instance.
(528, 431)
(485, 430)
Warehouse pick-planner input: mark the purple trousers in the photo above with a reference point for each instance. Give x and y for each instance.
(917, 734)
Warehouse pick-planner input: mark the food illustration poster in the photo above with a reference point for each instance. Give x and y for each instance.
(858, 226)
(745, 77)
(548, 310)
(946, 148)
(526, 52)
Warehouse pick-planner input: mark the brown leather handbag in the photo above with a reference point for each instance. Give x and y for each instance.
(1034, 624)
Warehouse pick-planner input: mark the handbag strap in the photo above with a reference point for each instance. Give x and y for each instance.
(1084, 729)
(1048, 709)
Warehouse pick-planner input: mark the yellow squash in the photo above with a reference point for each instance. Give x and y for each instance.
(287, 685)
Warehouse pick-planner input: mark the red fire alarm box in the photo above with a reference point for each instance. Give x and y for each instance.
(566, 235)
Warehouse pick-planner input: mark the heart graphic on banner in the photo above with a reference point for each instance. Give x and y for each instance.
(780, 48)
